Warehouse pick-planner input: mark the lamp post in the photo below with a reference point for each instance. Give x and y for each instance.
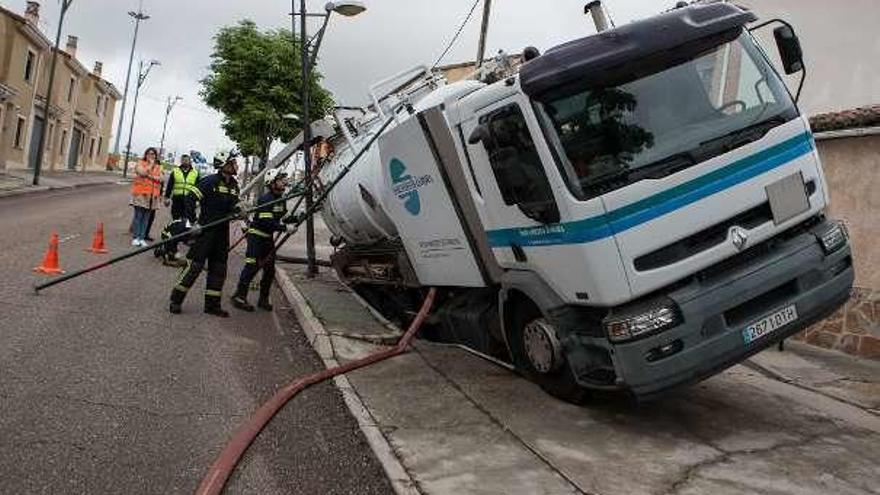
(41, 142)
(138, 17)
(308, 56)
(142, 76)
(168, 107)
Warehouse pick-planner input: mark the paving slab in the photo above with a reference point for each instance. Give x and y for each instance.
(842, 376)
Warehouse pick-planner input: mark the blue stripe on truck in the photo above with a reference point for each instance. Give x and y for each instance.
(647, 209)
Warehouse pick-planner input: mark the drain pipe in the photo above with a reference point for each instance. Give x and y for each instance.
(596, 10)
(214, 482)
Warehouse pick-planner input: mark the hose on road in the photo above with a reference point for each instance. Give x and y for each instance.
(214, 482)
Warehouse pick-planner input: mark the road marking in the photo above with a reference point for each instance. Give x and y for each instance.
(68, 238)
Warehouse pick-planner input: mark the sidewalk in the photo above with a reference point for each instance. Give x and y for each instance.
(831, 373)
(17, 182)
(444, 421)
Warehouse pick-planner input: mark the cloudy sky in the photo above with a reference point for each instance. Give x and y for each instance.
(390, 36)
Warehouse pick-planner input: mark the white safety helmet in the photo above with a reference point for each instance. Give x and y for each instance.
(272, 175)
(220, 158)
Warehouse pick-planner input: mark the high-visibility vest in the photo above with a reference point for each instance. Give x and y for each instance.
(184, 183)
(151, 184)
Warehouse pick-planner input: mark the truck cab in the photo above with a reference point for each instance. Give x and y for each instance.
(661, 175)
(645, 206)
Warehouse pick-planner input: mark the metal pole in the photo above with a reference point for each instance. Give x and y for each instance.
(312, 267)
(321, 198)
(484, 28)
(319, 37)
(138, 16)
(168, 107)
(41, 142)
(142, 76)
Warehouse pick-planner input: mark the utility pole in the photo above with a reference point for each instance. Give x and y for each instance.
(484, 28)
(168, 107)
(41, 142)
(311, 267)
(142, 76)
(138, 17)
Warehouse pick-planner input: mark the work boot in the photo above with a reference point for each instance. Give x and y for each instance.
(174, 308)
(242, 304)
(264, 304)
(222, 313)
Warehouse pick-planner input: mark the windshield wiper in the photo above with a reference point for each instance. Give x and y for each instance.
(740, 137)
(680, 161)
(664, 167)
(705, 151)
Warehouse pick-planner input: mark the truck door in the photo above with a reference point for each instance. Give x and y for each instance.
(514, 176)
(533, 222)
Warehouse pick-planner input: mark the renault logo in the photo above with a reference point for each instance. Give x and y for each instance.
(739, 237)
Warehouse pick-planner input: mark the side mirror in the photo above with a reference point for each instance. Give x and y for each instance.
(479, 133)
(789, 49)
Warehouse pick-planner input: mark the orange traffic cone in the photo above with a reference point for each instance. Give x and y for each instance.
(50, 261)
(98, 240)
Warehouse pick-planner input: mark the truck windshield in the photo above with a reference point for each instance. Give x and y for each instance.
(673, 118)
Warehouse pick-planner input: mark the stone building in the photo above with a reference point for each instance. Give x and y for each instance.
(80, 115)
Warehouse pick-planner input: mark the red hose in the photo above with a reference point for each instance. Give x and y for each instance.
(214, 482)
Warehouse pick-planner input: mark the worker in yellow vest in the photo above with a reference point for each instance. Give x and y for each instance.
(180, 191)
(181, 194)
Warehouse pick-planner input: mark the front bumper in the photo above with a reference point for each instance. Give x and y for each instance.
(717, 307)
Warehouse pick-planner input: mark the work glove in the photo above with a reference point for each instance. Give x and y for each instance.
(289, 219)
(289, 229)
(196, 230)
(167, 202)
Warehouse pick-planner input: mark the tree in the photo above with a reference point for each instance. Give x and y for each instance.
(255, 80)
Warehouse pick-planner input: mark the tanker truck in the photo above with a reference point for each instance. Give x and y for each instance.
(631, 211)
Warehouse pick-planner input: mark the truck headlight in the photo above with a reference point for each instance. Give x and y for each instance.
(650, 319)
(834, 238)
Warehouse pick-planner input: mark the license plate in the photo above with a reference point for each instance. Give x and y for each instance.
(788, 198)
(769, 324)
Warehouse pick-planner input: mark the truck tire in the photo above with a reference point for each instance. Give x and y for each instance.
(538, 356)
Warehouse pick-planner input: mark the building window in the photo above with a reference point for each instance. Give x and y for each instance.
(19, 132)
(92, 149)
(98, 105)
(63, 142)
(29, 65)
(70, 89)
(100, 144)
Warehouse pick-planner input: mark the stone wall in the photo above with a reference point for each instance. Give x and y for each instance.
(852, 169)
(854, 329)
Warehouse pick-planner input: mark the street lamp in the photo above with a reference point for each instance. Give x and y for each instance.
(346, 8)
(142, 76)
(138, 17)
(41, 142)
(168, 107)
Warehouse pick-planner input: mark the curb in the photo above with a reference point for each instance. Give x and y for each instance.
(319, 339)
(28, 190)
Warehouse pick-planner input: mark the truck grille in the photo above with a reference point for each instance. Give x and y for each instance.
(708, 237)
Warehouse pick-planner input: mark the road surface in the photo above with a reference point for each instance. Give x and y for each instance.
(103, 391)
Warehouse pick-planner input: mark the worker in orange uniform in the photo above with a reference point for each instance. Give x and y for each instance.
(145, 190)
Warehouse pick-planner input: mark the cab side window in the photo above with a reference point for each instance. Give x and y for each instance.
(514, 159)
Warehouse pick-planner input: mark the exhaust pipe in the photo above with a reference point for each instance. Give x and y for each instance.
(595, 9)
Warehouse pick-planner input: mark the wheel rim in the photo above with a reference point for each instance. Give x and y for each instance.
(541, 346)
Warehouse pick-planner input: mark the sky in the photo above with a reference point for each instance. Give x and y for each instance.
(392, 35)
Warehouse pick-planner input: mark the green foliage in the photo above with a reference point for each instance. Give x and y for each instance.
(255, 79)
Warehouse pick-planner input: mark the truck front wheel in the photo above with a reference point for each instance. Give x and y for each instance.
(538, 355)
